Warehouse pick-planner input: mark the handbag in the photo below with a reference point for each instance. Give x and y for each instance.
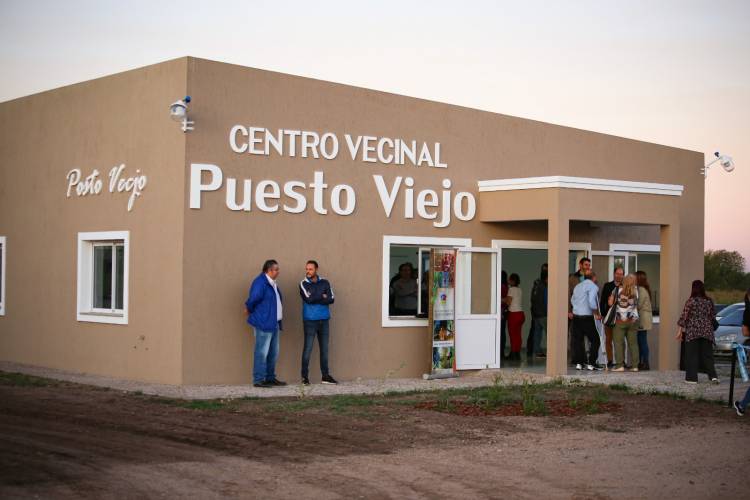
(611, 317)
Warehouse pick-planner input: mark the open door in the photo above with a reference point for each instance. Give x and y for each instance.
(477, 308)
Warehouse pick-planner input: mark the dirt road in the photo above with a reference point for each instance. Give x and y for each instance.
(61, 440)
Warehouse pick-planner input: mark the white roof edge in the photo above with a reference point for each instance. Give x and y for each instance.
(560, 181)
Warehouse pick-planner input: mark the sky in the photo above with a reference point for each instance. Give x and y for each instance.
(669, 72)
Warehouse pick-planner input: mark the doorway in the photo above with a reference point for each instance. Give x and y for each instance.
(525, 258)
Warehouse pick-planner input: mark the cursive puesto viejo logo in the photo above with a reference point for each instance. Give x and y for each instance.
(92, 184)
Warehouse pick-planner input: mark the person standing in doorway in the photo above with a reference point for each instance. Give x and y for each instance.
(584, 267)
(625, 300)
(604, 306)
(516, 316)
(539, 311)
(264, 312)
(503, 311)
(530, 338)
(585, 306)
(317, 296)
(645, 319)
(696, 328)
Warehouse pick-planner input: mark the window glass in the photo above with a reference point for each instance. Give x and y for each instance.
(102, 293)
(1, 274)
(733, 319)
(404, 281)
(119, 272)
(649, 263)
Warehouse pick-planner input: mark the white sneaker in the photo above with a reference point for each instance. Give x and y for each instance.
(579, 366)
(714, 380)
(691, 382)
(590, 368)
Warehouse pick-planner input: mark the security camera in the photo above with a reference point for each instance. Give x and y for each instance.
(178, 112)
(726, 162)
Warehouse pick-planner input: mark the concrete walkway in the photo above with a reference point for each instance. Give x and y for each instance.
(651, 381)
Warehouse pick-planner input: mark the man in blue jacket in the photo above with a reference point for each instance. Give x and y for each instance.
(264, 313)
(316, 295)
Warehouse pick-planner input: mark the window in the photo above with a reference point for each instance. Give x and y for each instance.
(644, 258)
(103, 277)
(405, 262)
(734, 318)
(2, 275)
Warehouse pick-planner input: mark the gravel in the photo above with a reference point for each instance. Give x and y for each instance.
(650, 381)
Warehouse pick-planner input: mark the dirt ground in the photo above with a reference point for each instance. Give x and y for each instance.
(62, 440)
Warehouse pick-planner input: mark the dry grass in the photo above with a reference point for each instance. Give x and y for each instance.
(726, 296)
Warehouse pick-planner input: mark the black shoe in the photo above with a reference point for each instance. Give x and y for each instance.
(610, 365)
(327, 379)
(738, 408)
(305, 381)
(276, 382)
(541, 355)
(645, 367)
(263, 384)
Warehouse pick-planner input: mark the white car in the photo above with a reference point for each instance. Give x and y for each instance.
(730, 329)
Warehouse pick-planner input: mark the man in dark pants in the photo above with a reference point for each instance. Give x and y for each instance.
(264, 312)
(585, 311)
(316, 295)
(531, 340)
(607, 290)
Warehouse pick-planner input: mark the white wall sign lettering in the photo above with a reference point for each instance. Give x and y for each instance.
(310, 144)
(270, 196)
(92, 184)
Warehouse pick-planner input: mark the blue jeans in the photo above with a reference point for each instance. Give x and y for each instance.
(312, 329)
(540, 330)
(642, 347)
(266, 354)
(746, 400)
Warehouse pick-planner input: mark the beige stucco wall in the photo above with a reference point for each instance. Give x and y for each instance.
(190, 269)
(95, 124)
(224, 250)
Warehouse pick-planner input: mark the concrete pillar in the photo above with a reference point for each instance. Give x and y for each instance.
(558, 234)
(670, 307)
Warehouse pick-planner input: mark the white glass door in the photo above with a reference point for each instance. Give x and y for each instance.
(477, 308)
(601, 260)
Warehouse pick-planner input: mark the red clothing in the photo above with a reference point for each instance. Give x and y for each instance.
(515, 323)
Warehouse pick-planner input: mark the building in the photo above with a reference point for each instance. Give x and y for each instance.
(128, 245)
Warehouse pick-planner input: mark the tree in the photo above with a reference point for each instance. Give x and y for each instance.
(725, 270)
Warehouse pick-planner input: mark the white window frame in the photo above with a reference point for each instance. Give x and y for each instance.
(3, 299)
(416, 241)
(86, 243)
(540, 245)
(630, 247)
